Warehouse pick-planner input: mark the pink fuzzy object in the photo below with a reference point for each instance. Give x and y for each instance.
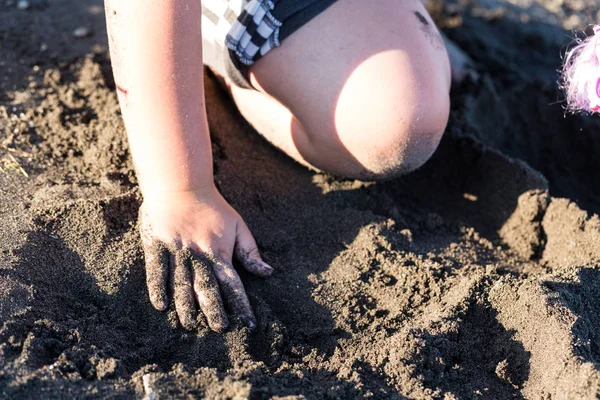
(581, 75)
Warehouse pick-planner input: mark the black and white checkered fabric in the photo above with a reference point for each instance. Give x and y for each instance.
(245, 27)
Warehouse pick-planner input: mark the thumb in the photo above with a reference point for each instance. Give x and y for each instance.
(247, 252)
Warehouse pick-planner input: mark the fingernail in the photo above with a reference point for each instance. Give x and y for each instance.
(163, 304)
(219, 327)
(188, 325)
(249, 321)
(268, 269)
(159, 303)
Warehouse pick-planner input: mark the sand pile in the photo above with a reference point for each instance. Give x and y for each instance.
(475, 277)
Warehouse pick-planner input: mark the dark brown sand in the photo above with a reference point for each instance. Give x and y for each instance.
(476, 277)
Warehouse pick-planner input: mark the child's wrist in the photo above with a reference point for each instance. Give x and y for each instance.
(197, 194)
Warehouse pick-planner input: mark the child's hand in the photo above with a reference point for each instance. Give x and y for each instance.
(189, 239)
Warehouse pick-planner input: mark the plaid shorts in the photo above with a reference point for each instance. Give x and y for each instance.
(237, 33)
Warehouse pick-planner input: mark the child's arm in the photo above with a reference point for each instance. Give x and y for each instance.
(189, 232)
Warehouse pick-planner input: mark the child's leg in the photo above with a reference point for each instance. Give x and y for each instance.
(360, 91)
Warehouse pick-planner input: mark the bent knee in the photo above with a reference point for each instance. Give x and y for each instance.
(392, 112)
(399, 143)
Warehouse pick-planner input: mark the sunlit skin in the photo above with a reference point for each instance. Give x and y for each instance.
(189, 232)
(359, 91)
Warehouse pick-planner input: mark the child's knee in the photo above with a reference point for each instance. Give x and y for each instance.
(404, 150)
(400, 141)
(392, 112)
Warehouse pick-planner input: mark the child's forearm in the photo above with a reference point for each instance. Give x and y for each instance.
(156, 51)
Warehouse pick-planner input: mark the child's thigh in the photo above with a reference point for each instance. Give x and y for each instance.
(356, 64)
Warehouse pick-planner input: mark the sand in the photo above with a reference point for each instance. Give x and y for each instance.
(475, 277)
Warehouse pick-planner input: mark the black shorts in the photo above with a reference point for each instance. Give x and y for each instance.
(236, 33)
